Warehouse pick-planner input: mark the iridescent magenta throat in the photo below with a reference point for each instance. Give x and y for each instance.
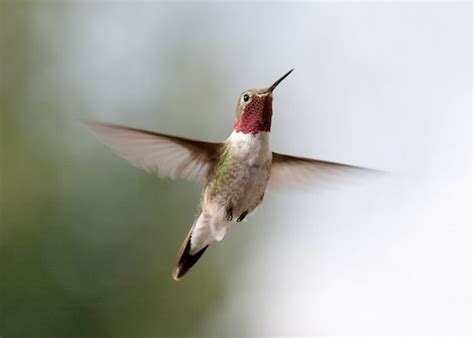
(256, 117)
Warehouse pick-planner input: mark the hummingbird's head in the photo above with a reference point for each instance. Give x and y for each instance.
(254, 109)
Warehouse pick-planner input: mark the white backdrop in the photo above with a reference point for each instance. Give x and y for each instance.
(385, 85)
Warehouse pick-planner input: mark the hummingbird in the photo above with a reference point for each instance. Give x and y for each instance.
(236, 171)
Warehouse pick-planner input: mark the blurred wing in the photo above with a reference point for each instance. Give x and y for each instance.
(169, 156)
(290, 171)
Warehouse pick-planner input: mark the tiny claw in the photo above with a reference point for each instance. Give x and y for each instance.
(229, 216)
(242, 216)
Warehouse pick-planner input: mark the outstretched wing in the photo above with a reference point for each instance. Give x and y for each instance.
(290, 171)
(169, 156)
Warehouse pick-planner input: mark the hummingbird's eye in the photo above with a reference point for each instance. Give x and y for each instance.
(246, 97)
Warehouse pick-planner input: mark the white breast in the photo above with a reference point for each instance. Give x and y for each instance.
(254, 148)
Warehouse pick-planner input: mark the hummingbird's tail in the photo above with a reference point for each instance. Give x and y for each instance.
(205, 230)
(188, 256)
(185, 260)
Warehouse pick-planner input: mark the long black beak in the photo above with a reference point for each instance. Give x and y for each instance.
(277, 82)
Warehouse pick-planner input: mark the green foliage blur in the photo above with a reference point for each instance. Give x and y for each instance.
(88, 242)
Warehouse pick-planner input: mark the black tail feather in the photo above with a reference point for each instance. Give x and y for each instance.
(185, 260)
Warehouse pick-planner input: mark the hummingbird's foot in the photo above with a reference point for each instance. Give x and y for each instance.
(242, 216)
(229, 216)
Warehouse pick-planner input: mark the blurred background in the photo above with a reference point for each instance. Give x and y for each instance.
(88, 241)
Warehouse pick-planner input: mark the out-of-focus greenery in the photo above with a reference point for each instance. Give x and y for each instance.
(88, 242)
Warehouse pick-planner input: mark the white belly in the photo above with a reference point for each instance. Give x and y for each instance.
(254, 162)
(243, 192)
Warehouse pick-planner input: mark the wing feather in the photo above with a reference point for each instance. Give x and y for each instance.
(290, 171)
(169, 156)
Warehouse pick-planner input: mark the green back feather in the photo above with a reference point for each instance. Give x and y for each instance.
(222, 169)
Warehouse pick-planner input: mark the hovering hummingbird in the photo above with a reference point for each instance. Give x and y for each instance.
(236, 171)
